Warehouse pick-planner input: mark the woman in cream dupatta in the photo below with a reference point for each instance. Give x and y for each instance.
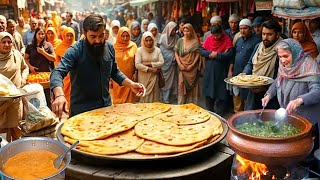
(125, 51)
(68, 40)
(149, 61)
(188, 59)
(13, 66)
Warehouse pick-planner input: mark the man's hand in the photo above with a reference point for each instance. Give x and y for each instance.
(294, 104)
(138, 89)
(230, 74)
(60, 105)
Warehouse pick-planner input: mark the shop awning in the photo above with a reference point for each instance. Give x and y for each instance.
(141, 2)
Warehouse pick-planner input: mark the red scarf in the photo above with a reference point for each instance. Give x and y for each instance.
(221, 45)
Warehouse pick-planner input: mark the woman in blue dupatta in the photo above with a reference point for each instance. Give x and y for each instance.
(167, 42)
(136, 34)
(297, 86)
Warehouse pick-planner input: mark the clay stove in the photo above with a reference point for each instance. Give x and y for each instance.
(244, 169)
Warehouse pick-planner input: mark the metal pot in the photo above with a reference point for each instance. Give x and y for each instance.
(34, 143)
(270, 151)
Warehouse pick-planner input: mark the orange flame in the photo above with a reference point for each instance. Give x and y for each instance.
(255, 170)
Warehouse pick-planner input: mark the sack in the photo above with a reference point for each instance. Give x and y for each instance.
(294, 4)
(36, 113)
(315, 3)
(38, 100)
(39, 118)
(161, 80)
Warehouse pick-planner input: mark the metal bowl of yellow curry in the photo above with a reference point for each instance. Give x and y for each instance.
(32, 158)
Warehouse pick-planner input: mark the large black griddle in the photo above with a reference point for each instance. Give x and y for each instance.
(96, 159)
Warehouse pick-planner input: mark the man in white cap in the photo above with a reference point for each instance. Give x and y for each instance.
(243, 47)
(213, 20)
(234, 25)
(264, 62)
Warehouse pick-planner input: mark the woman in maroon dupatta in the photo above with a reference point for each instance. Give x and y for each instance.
(218, 51)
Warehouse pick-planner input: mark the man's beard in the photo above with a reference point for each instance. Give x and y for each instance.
(96, 49)
(267, 43)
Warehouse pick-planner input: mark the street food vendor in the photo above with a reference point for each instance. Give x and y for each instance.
(298, 84)
(91, 63)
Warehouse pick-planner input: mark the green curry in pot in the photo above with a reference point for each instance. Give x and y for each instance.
(265, 129)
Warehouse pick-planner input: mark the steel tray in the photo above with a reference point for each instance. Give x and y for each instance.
(22, 93)
(270, 81)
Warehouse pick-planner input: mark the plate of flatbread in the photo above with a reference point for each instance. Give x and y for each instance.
(249, 81)
(144, 131)
(13, 94)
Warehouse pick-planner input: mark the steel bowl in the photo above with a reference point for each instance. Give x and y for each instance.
(34, 143)
(270, 150)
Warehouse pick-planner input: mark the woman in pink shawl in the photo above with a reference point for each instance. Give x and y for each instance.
(218, 52)
(297, 86)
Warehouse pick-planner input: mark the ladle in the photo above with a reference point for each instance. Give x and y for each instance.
(279, 116)
(260, 122)
(57, 162)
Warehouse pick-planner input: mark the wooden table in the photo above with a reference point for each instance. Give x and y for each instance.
(215, 163)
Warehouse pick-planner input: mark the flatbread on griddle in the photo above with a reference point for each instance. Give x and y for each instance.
(116, 144)
(151, 147)
(171, 134)
(86, 127)
(185, 114)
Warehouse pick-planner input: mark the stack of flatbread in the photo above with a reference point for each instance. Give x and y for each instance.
(7, 88)
(243, 79)
(146, 128)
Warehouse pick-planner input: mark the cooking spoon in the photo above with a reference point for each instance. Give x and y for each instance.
(57, 162)
(280, 115)
(260, 122)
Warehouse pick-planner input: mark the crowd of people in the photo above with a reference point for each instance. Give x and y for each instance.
(172, 63)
